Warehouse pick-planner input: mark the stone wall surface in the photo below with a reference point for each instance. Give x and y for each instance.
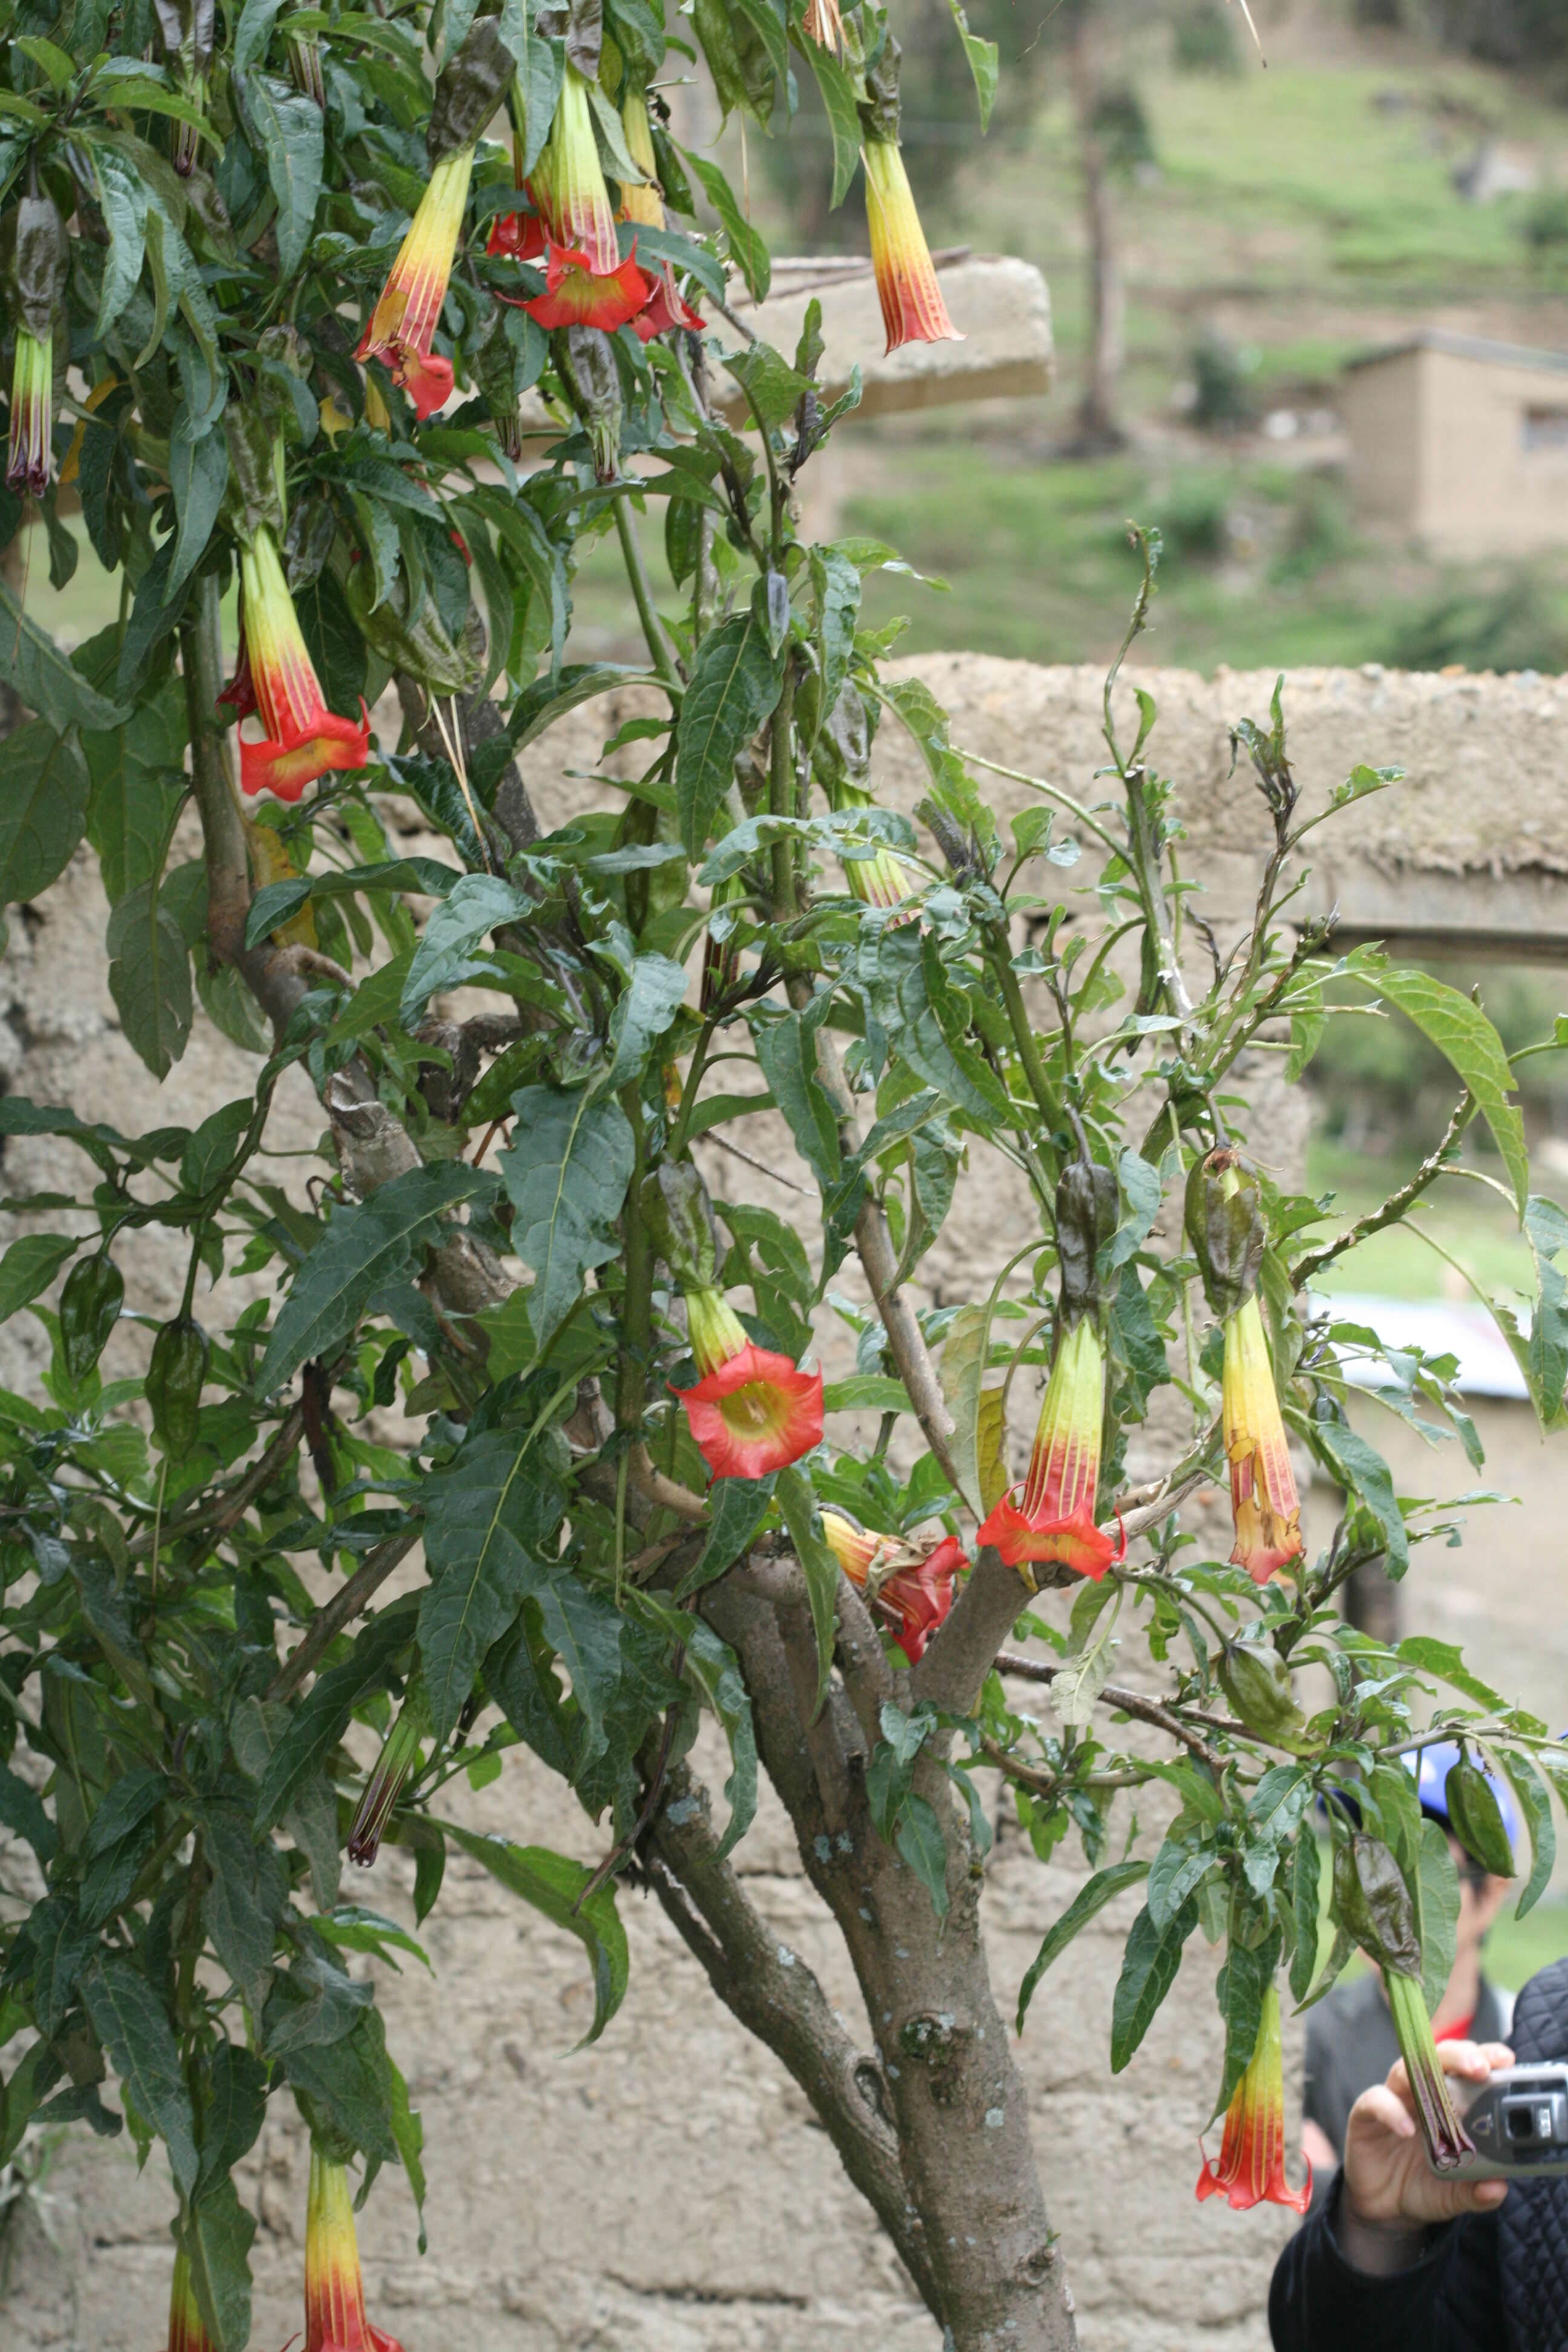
(668, 2190)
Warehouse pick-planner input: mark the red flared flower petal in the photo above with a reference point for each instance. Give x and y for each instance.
(666, 306)
(325, 740)
(1075, 1541)
(575, 298)
(755, 1413)
(922, 1598)
(519, 236)
(240, 694)
(1242, 2191)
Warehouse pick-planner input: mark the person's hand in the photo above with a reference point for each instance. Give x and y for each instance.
(1391, 2194)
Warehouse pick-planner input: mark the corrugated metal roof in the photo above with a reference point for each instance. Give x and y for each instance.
(1439, 1327)
(1464, 347)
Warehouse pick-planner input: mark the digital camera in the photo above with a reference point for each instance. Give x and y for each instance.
(1519, 2121)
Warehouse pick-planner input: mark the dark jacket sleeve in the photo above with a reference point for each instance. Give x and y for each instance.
(1447, 2302)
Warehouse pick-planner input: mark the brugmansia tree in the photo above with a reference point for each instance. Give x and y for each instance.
(291, 295)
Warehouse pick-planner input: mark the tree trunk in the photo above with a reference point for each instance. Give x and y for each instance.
(1100, 424)
(933, 2122)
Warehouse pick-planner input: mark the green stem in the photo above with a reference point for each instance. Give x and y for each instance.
(642, 592)
(685, 1115)
(781, 793)
(637, 1307)
(1023, 1036)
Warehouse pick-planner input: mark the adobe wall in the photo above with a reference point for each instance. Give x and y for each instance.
(668, 2190)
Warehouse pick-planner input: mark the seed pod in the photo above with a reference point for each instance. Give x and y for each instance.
(175, 1377)
(1225, 1228)
(1257, 1682)
(1085, 1219)
(585, 363)
(1476, 1818)
(90, 1307)
(469, 90)
(1372, 1902)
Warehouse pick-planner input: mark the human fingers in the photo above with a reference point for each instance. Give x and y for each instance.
(1386, 2107)
(1472, 2060)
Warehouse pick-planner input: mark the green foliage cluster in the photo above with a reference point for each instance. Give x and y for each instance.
(181, 1716)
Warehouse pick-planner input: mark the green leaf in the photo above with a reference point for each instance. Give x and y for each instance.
(748, 249)
(290, 127)
(244, 1902)
(712, 1665)
(1306, 1869)
(362, 1249)
(22, 1811)
(555, 1886)
(321, 1717)
(818, 1566)
(963, 1355)
(786, 1048)
(137, 771)
(253, 33)
(983, 59)
(774, 389)
(234, 2112)
(922, 1845)
(473, 908)
(1240, 1988)
(841, 104)
(274, 905)
(550, 697)
(1359, 1467)
(217, 2239)
(1530, 1790)
(149, 978)
(734, 686)
(1089, 1900)
(1149, 1970)
(349, 2084)
(409, 2131)
(1443, 1660)
(1436, 1882)
(656, 992)
(123, 200)
(1461, 1031)
(28, 1267)
(198, 476)
(736, 1509)
(133, 2027)
(485, 1517)
(566, 1170)
(866, 1392)
(43, 810)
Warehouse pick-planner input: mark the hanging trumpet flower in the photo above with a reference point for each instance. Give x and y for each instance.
(275, 677)
(1251, 2165)
(1265, 1506)
(587, 283)
(186, 2333)
(1056, 1519)
(912, 308)
(334, 2290)
(910, 1589)
(399, 1755)
(752, 1411)
(32, 414)
(882, 880)
(640, 200)
(403, 323)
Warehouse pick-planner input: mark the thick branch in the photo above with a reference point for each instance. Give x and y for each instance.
(786, 2009)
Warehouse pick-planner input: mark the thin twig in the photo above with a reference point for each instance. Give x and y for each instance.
(1395, 1205)
(233, 1504)
(628, 1844)
(762, 1170)
(1123, 1702)
(344, 1606)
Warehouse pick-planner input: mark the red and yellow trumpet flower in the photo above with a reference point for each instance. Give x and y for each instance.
(404, 321)
(518, 235)
(186, 2333)
(640, 200)
(912, 308)
(1251, 2167)
(334, 2291)
(275, 677)
(1055, 1520)
(1264, 1503)
(752, 1411)
(910, 1589)
(587, 283)
(399, 1755)
(32, 414)
(576, 296)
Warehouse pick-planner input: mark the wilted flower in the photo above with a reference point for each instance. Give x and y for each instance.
(640, 200)
(334, 2291)
(752, 1411)
(1263, 1498)
(520, 236)
(912, 308)
(275, 677)
(666, 306)
(911, 1588)
(404, 321)
(1251, 2167)
(1447, 2141)
(32, 413)
(1055, 1520)
(186, 2333)
(824, 24)
(399, 1755)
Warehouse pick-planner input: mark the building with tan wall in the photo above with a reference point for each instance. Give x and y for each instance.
(1461, 443)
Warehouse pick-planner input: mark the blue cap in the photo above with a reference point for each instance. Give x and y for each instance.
(1431, 1767)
